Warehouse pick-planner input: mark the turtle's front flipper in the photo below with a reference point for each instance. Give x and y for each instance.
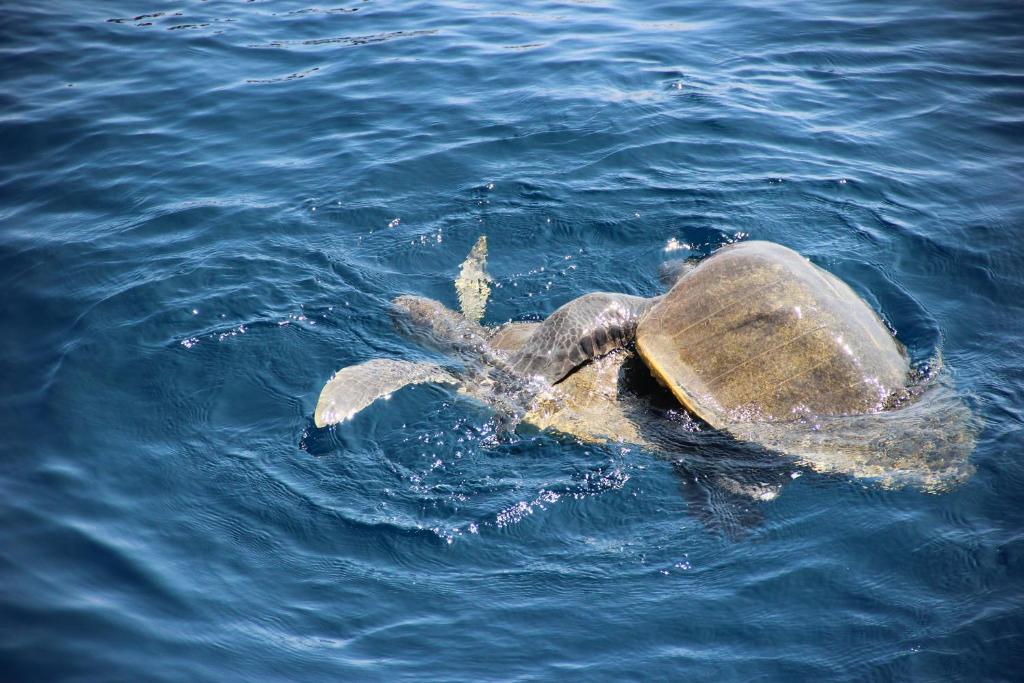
(353, 388)
(584, 328)
(473, 284)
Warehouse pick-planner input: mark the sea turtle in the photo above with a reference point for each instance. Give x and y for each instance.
(755, 340)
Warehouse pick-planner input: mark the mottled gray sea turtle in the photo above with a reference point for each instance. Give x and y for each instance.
(755, 340)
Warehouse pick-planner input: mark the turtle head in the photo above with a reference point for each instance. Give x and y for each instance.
(417, 312)
(670, 272)
(434, 325)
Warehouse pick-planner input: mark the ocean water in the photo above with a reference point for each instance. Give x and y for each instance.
(206, 208)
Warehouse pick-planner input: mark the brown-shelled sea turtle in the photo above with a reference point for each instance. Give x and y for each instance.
(755, 340)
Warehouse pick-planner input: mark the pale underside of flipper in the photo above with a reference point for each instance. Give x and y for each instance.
(473, 284)
(353, 388)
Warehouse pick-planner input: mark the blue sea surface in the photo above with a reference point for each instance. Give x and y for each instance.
(207, 207)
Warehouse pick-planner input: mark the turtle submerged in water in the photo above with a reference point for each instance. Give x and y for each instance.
(755, 340)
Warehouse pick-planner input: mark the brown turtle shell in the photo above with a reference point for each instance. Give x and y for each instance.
(757, 333)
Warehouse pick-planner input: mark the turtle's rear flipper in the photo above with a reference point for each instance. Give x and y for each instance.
(583, 329)
(727, 503)
(353, 388)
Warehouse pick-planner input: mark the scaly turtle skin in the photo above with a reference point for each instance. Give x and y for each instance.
(585, 328)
